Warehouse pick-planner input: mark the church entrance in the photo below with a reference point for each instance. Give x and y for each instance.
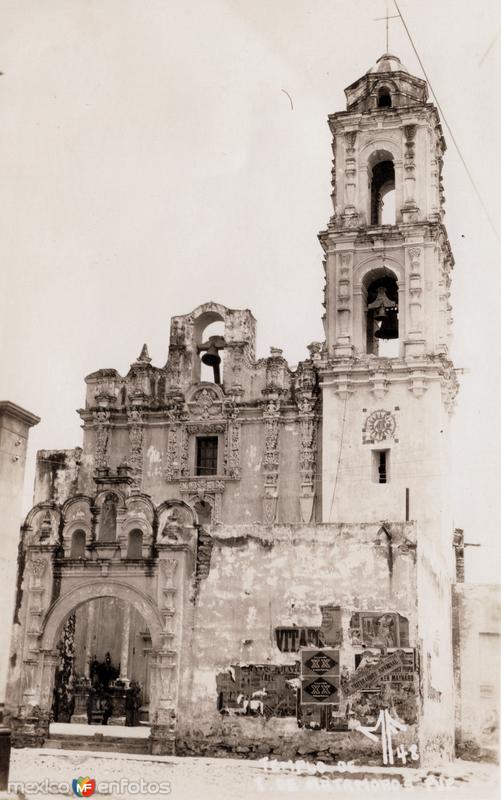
(102, 672)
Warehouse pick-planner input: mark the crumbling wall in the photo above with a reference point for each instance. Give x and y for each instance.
(269, 592)
(57, 475)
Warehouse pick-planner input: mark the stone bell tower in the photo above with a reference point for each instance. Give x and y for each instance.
(387, 382)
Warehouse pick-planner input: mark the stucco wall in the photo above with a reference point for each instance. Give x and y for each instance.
(262, 578)
(477, 657)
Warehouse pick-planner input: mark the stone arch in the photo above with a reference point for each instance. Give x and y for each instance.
(78, 543)
(204, 508)
(62, 608)
(385, 86)
(42, 525)
(46, 506)
(104, 493)
(372, 264)
(169, 504)
(366, 273)
(379, 149)
(75, 500)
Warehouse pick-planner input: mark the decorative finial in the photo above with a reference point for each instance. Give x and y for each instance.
(144, 356)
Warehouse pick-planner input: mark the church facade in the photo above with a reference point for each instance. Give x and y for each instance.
(227, 514)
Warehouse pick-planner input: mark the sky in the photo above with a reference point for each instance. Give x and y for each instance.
(150, 160)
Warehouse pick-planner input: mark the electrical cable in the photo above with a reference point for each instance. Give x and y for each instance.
(470, 176)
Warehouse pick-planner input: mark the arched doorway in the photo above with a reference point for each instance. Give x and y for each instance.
(40, 679)
(102, 676)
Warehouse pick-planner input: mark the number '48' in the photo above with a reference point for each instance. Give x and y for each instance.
(401, 752)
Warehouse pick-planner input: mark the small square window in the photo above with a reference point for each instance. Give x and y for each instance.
(381, 466)
(206, 455)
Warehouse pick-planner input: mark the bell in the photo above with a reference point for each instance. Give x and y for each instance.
(213, 359)
(381, 305)
(389, 326)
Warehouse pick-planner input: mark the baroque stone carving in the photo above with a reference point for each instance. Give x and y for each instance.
(168, 568)
(307, 454)
(271, 459)
(205, 404)
(201, 486)
(379, 426)
(37, 568)
(136, 431)
(102, 425)
(171, 466)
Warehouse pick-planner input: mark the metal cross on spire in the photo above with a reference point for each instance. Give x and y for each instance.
(387, 18)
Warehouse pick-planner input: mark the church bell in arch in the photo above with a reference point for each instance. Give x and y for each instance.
(385, 312)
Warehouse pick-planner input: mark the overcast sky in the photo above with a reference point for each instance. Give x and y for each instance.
(151, 161)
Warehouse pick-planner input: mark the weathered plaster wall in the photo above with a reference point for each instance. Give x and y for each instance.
(436, 735)
(57, 475)
(15, 423)
(262, 578)
(477, 659)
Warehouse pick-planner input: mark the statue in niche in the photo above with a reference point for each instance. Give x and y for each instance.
(108, 522)
(174, 524)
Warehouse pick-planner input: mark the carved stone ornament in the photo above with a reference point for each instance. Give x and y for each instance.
(205, 404)
(102, 423)
(168, 568)
(172, 466)
(135, 457)
(379, 426)
(201, 486)
(37, 568)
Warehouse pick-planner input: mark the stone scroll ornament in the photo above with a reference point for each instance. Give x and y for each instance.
(271, 457)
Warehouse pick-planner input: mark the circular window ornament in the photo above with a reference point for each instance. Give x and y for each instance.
(380, 425)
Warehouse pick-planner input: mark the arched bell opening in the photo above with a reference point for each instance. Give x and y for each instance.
(210, 344)
(381, 313)
(382, 189)
(102, 674)
(384, 98)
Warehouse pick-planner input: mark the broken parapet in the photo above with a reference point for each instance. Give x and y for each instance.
(57, 474)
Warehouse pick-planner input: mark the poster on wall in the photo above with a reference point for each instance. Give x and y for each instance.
(319, 676)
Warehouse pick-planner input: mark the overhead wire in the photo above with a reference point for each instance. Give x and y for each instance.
(453, 138)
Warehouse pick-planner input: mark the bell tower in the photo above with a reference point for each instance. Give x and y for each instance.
(387, 382)
(388, 385)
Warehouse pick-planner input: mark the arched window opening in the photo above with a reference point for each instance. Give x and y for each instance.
(108, 520)
(135, 544)
(382, 317)
(78, 544)
(384, 98)
(211, 352)
(388, 210)
(204, 512)
(382, 182)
